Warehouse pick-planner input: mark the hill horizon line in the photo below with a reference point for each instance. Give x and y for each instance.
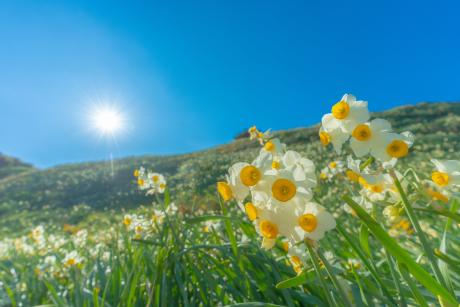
(19, 161)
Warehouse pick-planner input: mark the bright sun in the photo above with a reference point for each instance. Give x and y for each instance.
(107, 119)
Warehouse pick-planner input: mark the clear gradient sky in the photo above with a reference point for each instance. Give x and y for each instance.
(192, 74)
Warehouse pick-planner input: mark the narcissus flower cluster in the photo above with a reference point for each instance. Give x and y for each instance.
(446, 174)
(275, 191)
(445, 179)
(349, 120)
(150, 181)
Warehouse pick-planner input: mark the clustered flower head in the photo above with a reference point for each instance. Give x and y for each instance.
(275, 191)
(334, 168)
(150, 181)
(255, 134)
(349, 120)
(447, 173)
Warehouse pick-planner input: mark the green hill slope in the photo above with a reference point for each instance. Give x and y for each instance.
(10, 166)
(68, 193)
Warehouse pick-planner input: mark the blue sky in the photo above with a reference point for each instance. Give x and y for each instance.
(192, 74)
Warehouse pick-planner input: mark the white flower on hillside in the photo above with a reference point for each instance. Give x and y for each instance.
(447, 173)
(346, 114)
(368, 136)
(337, 137)
(302, 168)
(274, 147)
(314, 221)
(392, 146)
(244, 176)
(72, 259)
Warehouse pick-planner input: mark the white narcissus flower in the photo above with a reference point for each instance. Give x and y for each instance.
(436, 192)
(244, 176)
(298, 257)
(375, 186)
(336, 137)
(354, 171)
(447, 173)
(346, 114)
(336, 167)
(326, 174)
(274, 147)
(313, 222)
(157, 183)
(365, 137)
(72, 259)
(283, 187)
(302, 168)
(392, 146)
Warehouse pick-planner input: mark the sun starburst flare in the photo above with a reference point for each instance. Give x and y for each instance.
(107, 119)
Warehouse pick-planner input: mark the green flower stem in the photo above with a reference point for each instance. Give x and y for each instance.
(421, 235)
(366, 163)
(395, 278)
(367, 261)
(320, 276)
(335, 282)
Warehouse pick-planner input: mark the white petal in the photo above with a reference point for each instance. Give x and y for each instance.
(380, 124)
(360, 148)
(329, 122)
(290, 158)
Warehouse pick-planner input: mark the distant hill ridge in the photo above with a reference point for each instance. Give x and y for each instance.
(75, 190)
(12, 166)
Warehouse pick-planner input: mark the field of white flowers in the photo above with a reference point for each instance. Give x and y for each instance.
(362, 231)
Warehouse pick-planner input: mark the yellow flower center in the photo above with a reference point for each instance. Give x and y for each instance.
(362, 133)
(71, 262)
(269, 146)
(138, 228)
(397, 149)
(268, 229)
(283, 190)
(323, 176)
(333, 164)
(440, 178)
(324, 138)
(352, 176)
(308, 222)
(437, 196)
(251, 211)
(404, 224)
(155, 178)
(136, 173)
(253, 129)
(127, 221)
(140, 182)
(276, 165)
(375, 188)
(224, 190)
(250, 175)
(296, 260)
(341, 110)
(162, 185)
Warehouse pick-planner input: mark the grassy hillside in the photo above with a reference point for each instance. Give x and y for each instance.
(10, 166)
(69, 193)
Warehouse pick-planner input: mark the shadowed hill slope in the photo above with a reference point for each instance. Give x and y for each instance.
(10, 166)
